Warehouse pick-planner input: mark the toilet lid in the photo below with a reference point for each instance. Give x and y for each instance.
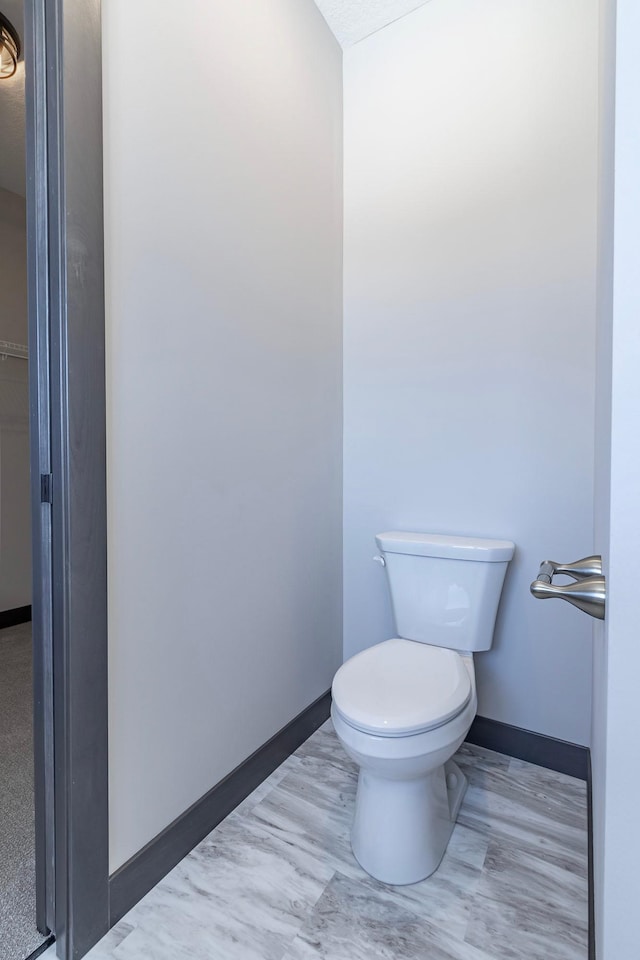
(401, 687)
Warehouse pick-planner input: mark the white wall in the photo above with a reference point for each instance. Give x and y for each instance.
(223, 153)
(15, 506)
(470, 246)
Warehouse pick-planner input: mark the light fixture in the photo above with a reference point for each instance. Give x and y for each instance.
(9, 48)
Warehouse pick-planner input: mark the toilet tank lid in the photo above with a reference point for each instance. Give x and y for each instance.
(448, 547)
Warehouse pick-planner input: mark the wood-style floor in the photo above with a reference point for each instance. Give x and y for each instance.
(277, 880)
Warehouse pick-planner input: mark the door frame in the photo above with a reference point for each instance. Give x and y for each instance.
(616, 649)
(68, 457)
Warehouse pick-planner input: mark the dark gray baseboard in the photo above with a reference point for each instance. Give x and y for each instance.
(136, 877)
(41, 949)
(569, 758)
(11, 618)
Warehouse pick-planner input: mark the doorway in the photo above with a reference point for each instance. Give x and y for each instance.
(22, 929)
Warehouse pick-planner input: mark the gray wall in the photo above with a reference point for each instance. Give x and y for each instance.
(15, 507)
(224, 308)
(470, 248)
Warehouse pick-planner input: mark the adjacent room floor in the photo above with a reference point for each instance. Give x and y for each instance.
(18, 933)
(276, 880)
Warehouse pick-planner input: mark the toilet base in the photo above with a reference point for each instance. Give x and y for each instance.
(401, 828)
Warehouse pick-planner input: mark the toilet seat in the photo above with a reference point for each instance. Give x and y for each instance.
(401, 687)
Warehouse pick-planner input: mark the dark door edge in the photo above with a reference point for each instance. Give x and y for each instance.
(590, 867)
(68, 424)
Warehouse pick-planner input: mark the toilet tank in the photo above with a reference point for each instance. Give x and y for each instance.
(445, 590)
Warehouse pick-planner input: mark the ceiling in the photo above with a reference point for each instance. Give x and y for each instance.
(12, 155)
(353, 20)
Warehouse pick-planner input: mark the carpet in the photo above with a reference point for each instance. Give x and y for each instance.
(19, 935)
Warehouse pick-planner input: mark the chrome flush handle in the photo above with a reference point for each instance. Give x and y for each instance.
(587, 592)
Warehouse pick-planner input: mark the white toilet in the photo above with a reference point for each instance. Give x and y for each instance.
(402, 708)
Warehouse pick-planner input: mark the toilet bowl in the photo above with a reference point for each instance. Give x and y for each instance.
(402, 708)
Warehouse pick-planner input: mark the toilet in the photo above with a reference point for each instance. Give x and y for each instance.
(402, 708)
